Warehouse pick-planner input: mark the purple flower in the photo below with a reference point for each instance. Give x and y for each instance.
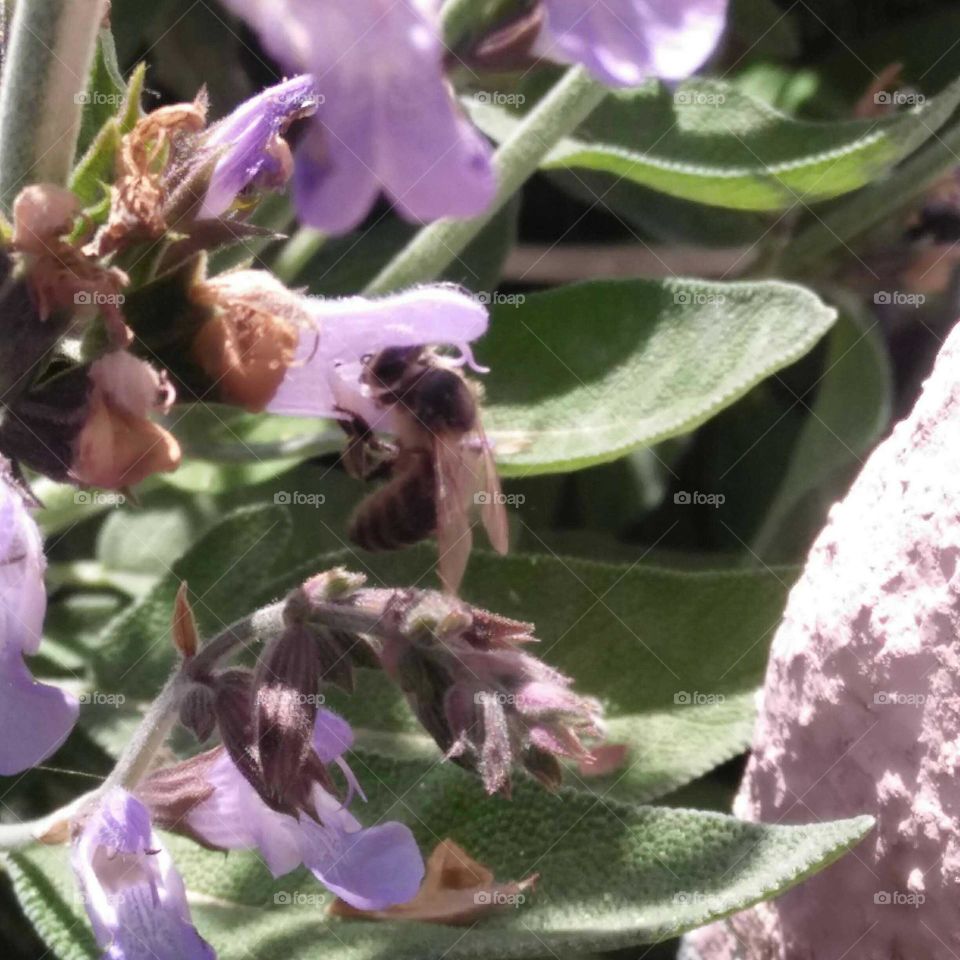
(371, 868)
(134, 896)
(623, 42)
(387, 118)
(35, 718)
(324, 378)
(250, 143)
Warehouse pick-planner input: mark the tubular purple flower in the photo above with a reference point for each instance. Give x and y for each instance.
(387, 118)
(35, 717)
(250, 143)
(370, 868)
(624, 42)
(324, 378)
(134, 896)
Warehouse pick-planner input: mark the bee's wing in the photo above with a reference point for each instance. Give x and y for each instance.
(453, 494)
(492, 511)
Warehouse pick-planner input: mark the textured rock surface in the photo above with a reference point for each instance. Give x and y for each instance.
(860, 712)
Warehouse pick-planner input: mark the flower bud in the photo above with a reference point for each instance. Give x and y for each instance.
(333, 585)
(337, 651)
(184, 625)
(119, 445)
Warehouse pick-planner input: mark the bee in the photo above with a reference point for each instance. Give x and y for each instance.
(439, 467)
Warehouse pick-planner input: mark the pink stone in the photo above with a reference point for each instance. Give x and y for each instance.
(860, 712)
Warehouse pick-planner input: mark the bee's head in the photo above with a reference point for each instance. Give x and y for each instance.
(389, 367)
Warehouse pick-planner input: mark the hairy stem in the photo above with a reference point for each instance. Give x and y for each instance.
(560, 112)
(297, 252)
(50, 48)
(137, 757)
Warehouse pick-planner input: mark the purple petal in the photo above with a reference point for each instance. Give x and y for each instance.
(247, 142)
(23, 598)
(624, 42)
(333, 185)
(146, 930)
(133, 894)
(332, 735)
(121, 824)
(388, 117)
(371, 869)
(352, 328)
(234, 817)
(35, 718)
(432, 162)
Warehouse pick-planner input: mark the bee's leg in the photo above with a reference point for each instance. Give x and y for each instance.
(365, 457)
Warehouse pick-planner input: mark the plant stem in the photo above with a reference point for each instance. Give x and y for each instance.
(297, 252)
(51, 47)
(149, 736)
(264, 622)
(560, 112)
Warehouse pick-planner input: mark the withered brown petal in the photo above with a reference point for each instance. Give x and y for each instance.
(456, 890)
